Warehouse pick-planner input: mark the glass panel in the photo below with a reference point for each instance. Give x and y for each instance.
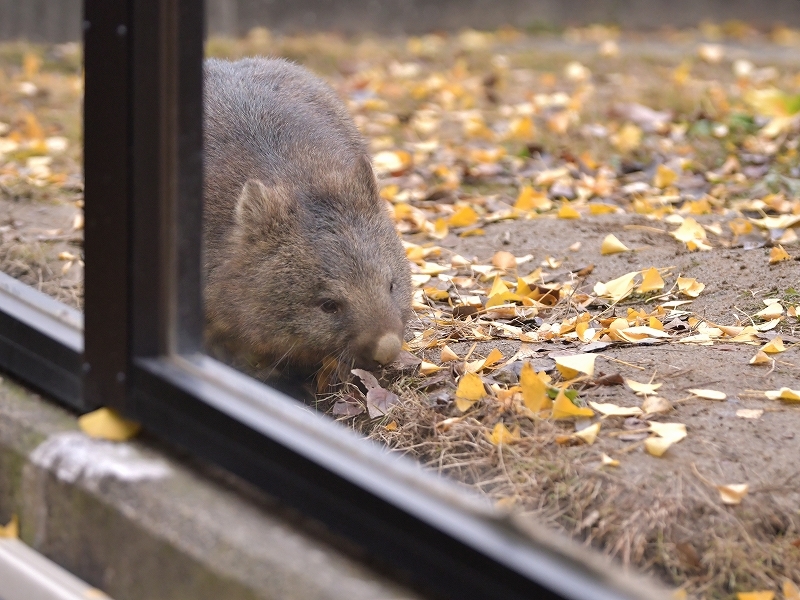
(41, 180)
(505, 158)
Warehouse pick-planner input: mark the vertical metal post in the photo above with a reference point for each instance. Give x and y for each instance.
(143, 168)
(107, 139)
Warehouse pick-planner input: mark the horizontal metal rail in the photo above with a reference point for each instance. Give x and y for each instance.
(41, 341)
(27, 575)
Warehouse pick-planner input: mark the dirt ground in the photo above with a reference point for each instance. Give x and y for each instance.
(475, 122)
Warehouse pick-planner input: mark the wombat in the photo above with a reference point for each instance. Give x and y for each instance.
(301, 259)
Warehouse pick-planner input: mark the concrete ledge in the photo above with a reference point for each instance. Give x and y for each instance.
(140, 524)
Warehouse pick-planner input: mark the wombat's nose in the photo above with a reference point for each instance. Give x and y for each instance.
(387, 348)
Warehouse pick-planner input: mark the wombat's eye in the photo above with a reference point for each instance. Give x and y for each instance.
(329, 306)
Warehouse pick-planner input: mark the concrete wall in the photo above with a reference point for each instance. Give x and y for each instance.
(60, 20)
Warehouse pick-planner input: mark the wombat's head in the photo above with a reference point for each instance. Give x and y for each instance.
(314, 270)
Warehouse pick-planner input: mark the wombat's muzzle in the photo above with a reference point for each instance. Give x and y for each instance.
(378, 353)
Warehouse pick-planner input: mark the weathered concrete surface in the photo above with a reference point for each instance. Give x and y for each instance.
(60, 20)
(140, 525)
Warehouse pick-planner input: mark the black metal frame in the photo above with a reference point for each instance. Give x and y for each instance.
(143, 336)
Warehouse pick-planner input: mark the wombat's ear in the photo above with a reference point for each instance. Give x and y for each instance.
(262, 207)
(365, 176)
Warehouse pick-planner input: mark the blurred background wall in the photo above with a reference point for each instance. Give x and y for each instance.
(60, 20)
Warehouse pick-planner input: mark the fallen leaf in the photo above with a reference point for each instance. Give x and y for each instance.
(655, 405)
(589, 434)
(606, 460)
(11, 529)
(690, 286)
(774, 346)
(790, 590)
(463, 217)
(644, 389)
(708, 394)
(564, 408)
(764, 595)
(613, 410)
(749, 413)
(785, 394)
(651, 281)
(502, 435)
(470, 390)
(761, 358)
(448, 355)
(534, 390)
(778, 254)
(571, 365)
(379, 401)
(612, 245)
(107, 424)
(567, 211)
(733, 493)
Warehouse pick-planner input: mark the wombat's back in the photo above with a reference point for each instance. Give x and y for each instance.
(301, 259)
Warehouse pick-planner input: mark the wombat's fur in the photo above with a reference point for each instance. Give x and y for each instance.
(302, 261)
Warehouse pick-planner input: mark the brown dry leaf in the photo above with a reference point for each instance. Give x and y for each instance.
(733, 493)
(11, 529)
(778, 254)
(107, 424)
(502, 435)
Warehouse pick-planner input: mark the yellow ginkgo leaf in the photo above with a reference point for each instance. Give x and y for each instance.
(612, 245)
(778, 254)
(498, 287)
(597, 208)
(655, 405)
(733, 493)
(790, 590)
(689, 286)
(618, 288)
(107, 424)
(427, 368)
(570, 366)
(612, 410)
(774, 346)
(664, 177)
(530, 200)
(786, 394)
(670, 431)
(589, 434)
(689, 230)
(628, 138)
(11, 529)
(504, 260)
(772, 311)
(448, 355)
(463, 217)
(763, 595)
(657, 446)
(708, 394)
(563, 408)
(606, 460)
(493, 358)
(534, 390)
(644, 389)
(502, 435)
(651, 281)
(440, 229)
(567, 211)
(470, 387)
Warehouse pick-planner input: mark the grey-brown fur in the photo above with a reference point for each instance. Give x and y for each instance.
(292, 219)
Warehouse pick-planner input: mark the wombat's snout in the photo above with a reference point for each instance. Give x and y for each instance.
(380, 352)
(387, 348)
